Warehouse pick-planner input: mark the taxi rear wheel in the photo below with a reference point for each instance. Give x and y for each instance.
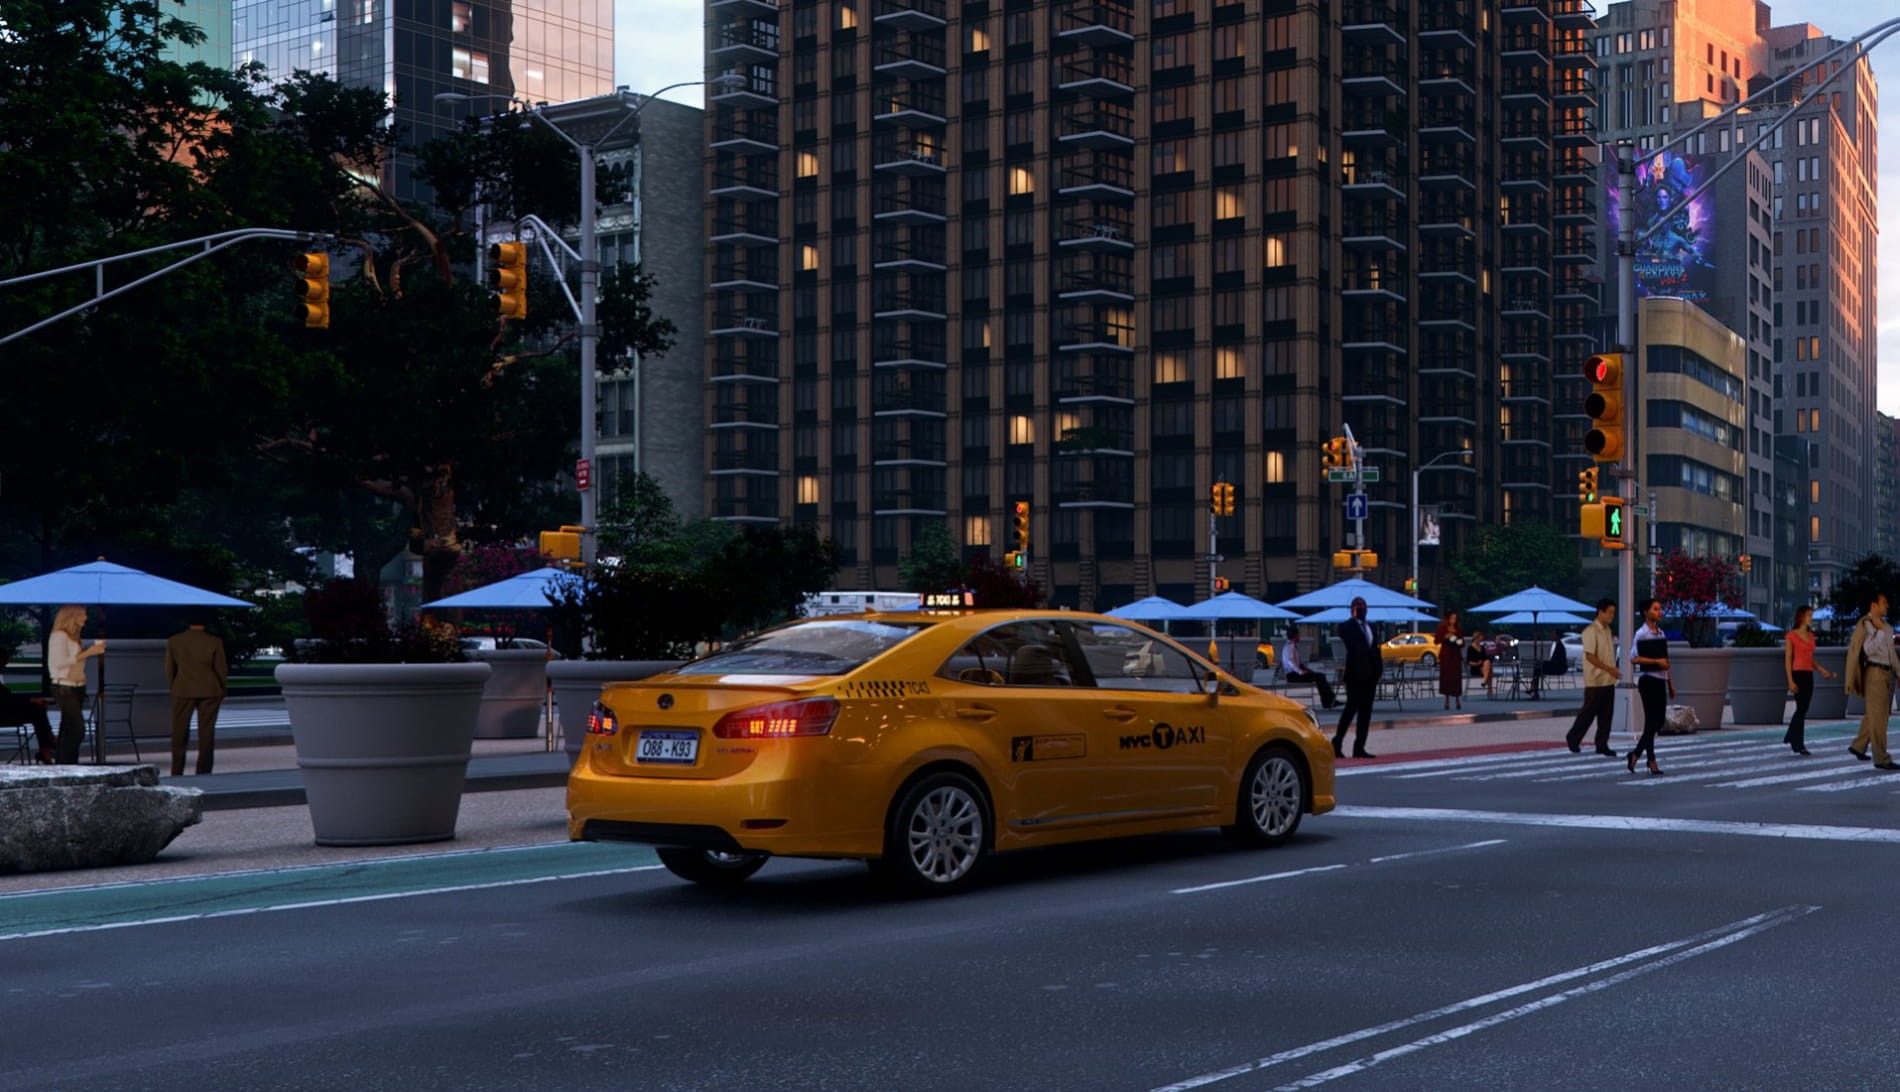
(938, 835)
(711, 866)
(1272, 797)
(1428, 660)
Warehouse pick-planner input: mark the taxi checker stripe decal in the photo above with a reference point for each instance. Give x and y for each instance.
(887, 688)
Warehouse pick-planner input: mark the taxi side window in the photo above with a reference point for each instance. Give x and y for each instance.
(1017, 654)
(1127, 659)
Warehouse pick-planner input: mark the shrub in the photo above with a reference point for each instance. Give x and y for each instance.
(349, 624)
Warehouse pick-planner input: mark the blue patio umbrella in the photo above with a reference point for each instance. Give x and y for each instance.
(1231, 605)
(1373, 614)
(1533, 618)
(103, 584)
(1343, 592)
(1154, 608)
(1532, 600)
(532, 590)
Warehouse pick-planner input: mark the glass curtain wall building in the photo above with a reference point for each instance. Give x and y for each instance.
(1097, 257)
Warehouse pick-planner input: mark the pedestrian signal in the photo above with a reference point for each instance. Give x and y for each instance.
(1222, 584)
(562, 545)
(1604, 405)
(1615, 524)
(314, 289)
(509, 279)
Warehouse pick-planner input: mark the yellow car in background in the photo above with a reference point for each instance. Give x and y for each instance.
(1411, 648)
(923, 742)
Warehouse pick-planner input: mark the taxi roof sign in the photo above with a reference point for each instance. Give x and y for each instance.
(950, 600)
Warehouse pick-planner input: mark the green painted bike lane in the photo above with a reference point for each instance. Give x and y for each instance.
(127, 905)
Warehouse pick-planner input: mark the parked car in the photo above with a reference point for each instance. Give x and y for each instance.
(1411, 648)
(923, 742)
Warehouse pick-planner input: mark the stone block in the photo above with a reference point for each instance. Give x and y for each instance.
(54, 817)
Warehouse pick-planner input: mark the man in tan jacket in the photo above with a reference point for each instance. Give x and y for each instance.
(196, 672)
(1870, 666)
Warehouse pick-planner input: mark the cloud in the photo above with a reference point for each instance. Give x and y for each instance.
(658, 42)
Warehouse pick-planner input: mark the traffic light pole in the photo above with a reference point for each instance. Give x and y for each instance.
(1626, 479)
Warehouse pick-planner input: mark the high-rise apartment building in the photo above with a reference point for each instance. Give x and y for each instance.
(415, 49)
(1099, 256)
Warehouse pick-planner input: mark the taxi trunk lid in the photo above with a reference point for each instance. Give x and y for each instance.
(665, 729)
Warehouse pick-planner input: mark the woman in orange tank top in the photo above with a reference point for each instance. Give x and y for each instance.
(1797, 656)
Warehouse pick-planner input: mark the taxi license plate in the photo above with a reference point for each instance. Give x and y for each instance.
(667, 746)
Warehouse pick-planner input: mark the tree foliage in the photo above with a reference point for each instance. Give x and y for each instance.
(1695, 590)
(934, 563)
(1873, 574)
(1499, 560)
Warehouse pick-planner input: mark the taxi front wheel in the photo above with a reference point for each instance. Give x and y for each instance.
(1272, 795)
(938, 835)
(711, 866)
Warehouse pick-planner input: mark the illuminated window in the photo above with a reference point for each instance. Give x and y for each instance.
(1170, 368)
(1814, 528)
(1067, 423)
(979, 43)
(808, 489)
(981, 335)
(808, 257)
(469, 66)
(1021, 181)
(1276, 467)
(460, 15)
(807, 164)
(1228, 363)
(1228, 204)
(847, 17)
(1814, 492)
(1022, 430)
(976, 530)
(1275, 250)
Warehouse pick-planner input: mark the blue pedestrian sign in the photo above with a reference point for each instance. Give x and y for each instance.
(1355, 506)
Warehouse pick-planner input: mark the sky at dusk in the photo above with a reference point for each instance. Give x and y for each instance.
(658, 42)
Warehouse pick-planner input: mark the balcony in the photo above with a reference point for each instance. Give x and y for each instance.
(1372, 23)
(1095, 24)
(746, 40)
(908, 157)
(1574, 285)
(1446, 219)
(1372, 74)
(915, 107)
(1525, 308)
(911, 204)
(907, 305)
(1518, 348)
(1446, 126)
(921, 254)
(1097, 75)
(1096, 286)
(1446, 82)
(1095, 126)
(745, 277)
(904, 400)
(1099, 335)
(746, 184)
(1526, 86)
(1524, 46)
(755, 459)
(910, 14)
(1449, 367)
(1571, 49)
(1525, 12)
(893, 350)
(1445, 25)
(746, 415)
(1447, 167)
(743, 324)
(908, 502)
(1363, 230)
(1096, 440)
(745, 8)
(1362, 127)
(1098, 233)
(748, 134)
(753, 231)
(1576, 92)
(1106, 178)
(1107, 380)
(1375, 177)
(1575, 129)
(741, 367)
(910, 57)
(751, 86)
(1113, 493)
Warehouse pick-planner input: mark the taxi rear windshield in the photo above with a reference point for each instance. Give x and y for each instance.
(819, 647)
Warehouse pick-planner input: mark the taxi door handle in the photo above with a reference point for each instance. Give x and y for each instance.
(1121, 713)
(975, 712)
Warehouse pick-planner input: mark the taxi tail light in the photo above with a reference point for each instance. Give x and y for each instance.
(602, 722)
(779, 720)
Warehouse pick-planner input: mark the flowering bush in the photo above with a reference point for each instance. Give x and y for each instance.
(1696, 590)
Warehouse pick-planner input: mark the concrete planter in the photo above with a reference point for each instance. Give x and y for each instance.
(383, 748)
(1701, 676)
(1830, 695)
(516, 692)
(1758, 686)
(577, 685)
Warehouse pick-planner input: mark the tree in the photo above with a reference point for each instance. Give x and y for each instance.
(1500, 560)
(934, 563)
(1696, 590)
(1871, 575)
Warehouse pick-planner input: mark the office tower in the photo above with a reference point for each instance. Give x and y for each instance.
(415, 49)
(1098, 257)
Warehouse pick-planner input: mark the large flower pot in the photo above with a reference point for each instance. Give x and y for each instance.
(516, 692)
(577, 685)
(383, 747)
(1701, 676)
(1758, 686)
(1830, 695)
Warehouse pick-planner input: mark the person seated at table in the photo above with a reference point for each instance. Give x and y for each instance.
(1296, 672)
(1556, 662)
(17, 709)
(1478, 653)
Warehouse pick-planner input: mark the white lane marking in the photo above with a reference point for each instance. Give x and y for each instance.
(1469, 1003)
(1334, 867)
(1708, 772)
(1453, 767)
(1806, 772)
(315, 903)
(1871, 779)
(1628, 822)
(1532, 1007)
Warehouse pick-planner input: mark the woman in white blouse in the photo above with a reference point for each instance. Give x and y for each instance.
(66, 664)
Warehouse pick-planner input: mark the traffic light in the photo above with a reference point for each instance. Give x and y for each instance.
(1587, 485)
(314, 290)
(1015, 560)
(1338, 454)
(1605, 406)
(1615, 524)
(1222, 585)
(1745, 562)
(509, 279)
(1358, 560)
(1223, 499)
(562, 545)
(1022, 529)
(1411, 585)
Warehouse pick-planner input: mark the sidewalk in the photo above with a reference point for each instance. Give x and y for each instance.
(255, 818)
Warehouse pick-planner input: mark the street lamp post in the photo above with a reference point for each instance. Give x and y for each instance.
(595, 127)
(1462, 453)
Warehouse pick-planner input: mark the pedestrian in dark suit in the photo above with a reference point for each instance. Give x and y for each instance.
(196, 672)
(1363, 668)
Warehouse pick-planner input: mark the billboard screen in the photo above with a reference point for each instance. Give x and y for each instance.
(1678, 257)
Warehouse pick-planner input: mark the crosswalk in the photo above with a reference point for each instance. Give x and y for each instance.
(1703, 761)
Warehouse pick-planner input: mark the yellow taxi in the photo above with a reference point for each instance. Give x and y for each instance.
(1411, 648)
(923, 742)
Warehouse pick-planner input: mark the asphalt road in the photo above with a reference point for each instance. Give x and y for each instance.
(1519, 921)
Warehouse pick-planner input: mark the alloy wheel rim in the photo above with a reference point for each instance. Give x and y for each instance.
(946, 834)
(1275, 796)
